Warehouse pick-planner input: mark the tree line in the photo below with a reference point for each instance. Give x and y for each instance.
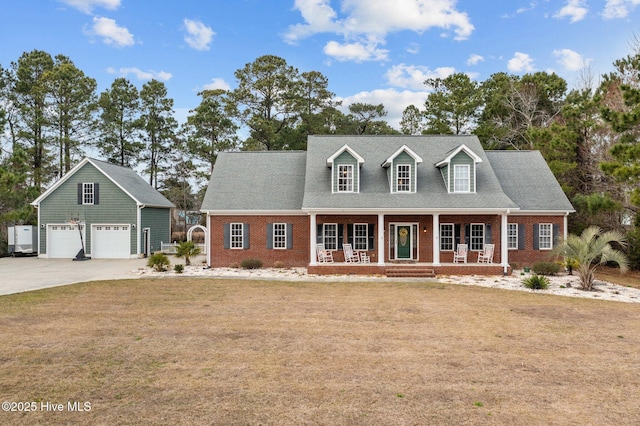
(51, 115)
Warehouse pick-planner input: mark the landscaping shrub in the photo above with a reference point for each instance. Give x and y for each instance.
(278, 265)
(158, 261)
(536, 282)
(178, 268)
(251, 264)
(545, 268)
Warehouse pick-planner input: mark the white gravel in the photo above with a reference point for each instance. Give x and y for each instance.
(561, 284)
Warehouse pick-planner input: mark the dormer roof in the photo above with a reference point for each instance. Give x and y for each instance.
(456, 151)
(403, 148)
(346, 147)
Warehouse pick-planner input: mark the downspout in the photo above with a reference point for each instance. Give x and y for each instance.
(138, 228)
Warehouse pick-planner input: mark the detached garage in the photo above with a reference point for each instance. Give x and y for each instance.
(119, 215)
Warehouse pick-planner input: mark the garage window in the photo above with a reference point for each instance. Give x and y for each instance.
(88, 193)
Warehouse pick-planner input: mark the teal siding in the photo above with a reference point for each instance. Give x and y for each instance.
(115, 206)
(158, 221)
(403, 158)
(445, 174)
(460, 159)
(346, 158)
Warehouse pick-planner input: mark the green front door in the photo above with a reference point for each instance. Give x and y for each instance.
(403, 242)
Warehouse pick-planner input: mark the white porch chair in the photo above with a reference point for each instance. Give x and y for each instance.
(460, 255)
(350, 256)
(324, 256)
(486, 255)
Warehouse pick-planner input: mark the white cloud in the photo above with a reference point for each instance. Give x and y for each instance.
(413, 48)
(413, 76)
(357, 52)
(141, 75)
(111, 33)
(394, 102)
(217, 83)
(87, 6)
(520, 62)
(373, 20)
(571, 60)
(474, 59)
(574, 9)
(198, 35)
(619, 8)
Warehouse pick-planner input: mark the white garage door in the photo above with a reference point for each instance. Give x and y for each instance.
(111, 241)
(63, 241)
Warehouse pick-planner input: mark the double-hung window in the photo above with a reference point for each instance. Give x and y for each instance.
(461, 178)
(237, 237)
(87, 193)
(330, 236)
(546, 236)
(360, 236)
(512, 236)
(345, 178)
(279, 235)
(446, 236)
(477, 236)
(403, 182)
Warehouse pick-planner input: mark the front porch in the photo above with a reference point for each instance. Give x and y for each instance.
(407, 270)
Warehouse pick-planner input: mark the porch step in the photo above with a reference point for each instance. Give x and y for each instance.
(409, 272)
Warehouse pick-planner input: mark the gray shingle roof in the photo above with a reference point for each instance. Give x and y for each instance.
(133, 184)
(528, 181)
(375, 192)
(293, 180)
(256, 180)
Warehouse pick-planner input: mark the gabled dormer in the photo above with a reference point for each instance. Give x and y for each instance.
(345, 166)
(459, 170)
(402, 170)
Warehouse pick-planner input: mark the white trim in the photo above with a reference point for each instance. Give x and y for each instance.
(344, 148)
(410, 177)
(406, 149)
(381, 231)
(468, 179)
(412, 236)
(484, 235)
(254, 212)
(231, 246)
(335, 184)
(467, 151)
(453, 236)
(507, 230)
(550, 236)
(273, 236)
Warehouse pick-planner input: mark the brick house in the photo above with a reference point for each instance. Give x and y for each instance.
(404, 201)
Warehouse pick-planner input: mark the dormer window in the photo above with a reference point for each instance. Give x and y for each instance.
(345, 167)
(345, 178)
(461, 178)
(403, 175)
(459, 170)
(401, 170)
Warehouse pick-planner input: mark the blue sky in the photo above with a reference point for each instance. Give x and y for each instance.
(374, 51)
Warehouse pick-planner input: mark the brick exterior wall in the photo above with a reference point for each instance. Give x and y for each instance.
(298, 256)
(529, 255)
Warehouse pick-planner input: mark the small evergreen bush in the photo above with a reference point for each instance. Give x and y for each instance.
(178, 268)
(158, 261)
(251, 264)
(545, 268)
(536, 282)
(278, 265)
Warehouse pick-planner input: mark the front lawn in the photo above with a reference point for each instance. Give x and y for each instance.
(211, 351)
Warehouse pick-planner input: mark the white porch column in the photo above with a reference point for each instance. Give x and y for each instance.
(312, 240)
(381, 239)
(436, 239)
(504, 242)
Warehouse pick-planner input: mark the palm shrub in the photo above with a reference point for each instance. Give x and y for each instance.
(536, 282)
(187, 249)
(591, 249)
(158, 261)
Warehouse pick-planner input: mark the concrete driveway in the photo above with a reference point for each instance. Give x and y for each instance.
(30, 273)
